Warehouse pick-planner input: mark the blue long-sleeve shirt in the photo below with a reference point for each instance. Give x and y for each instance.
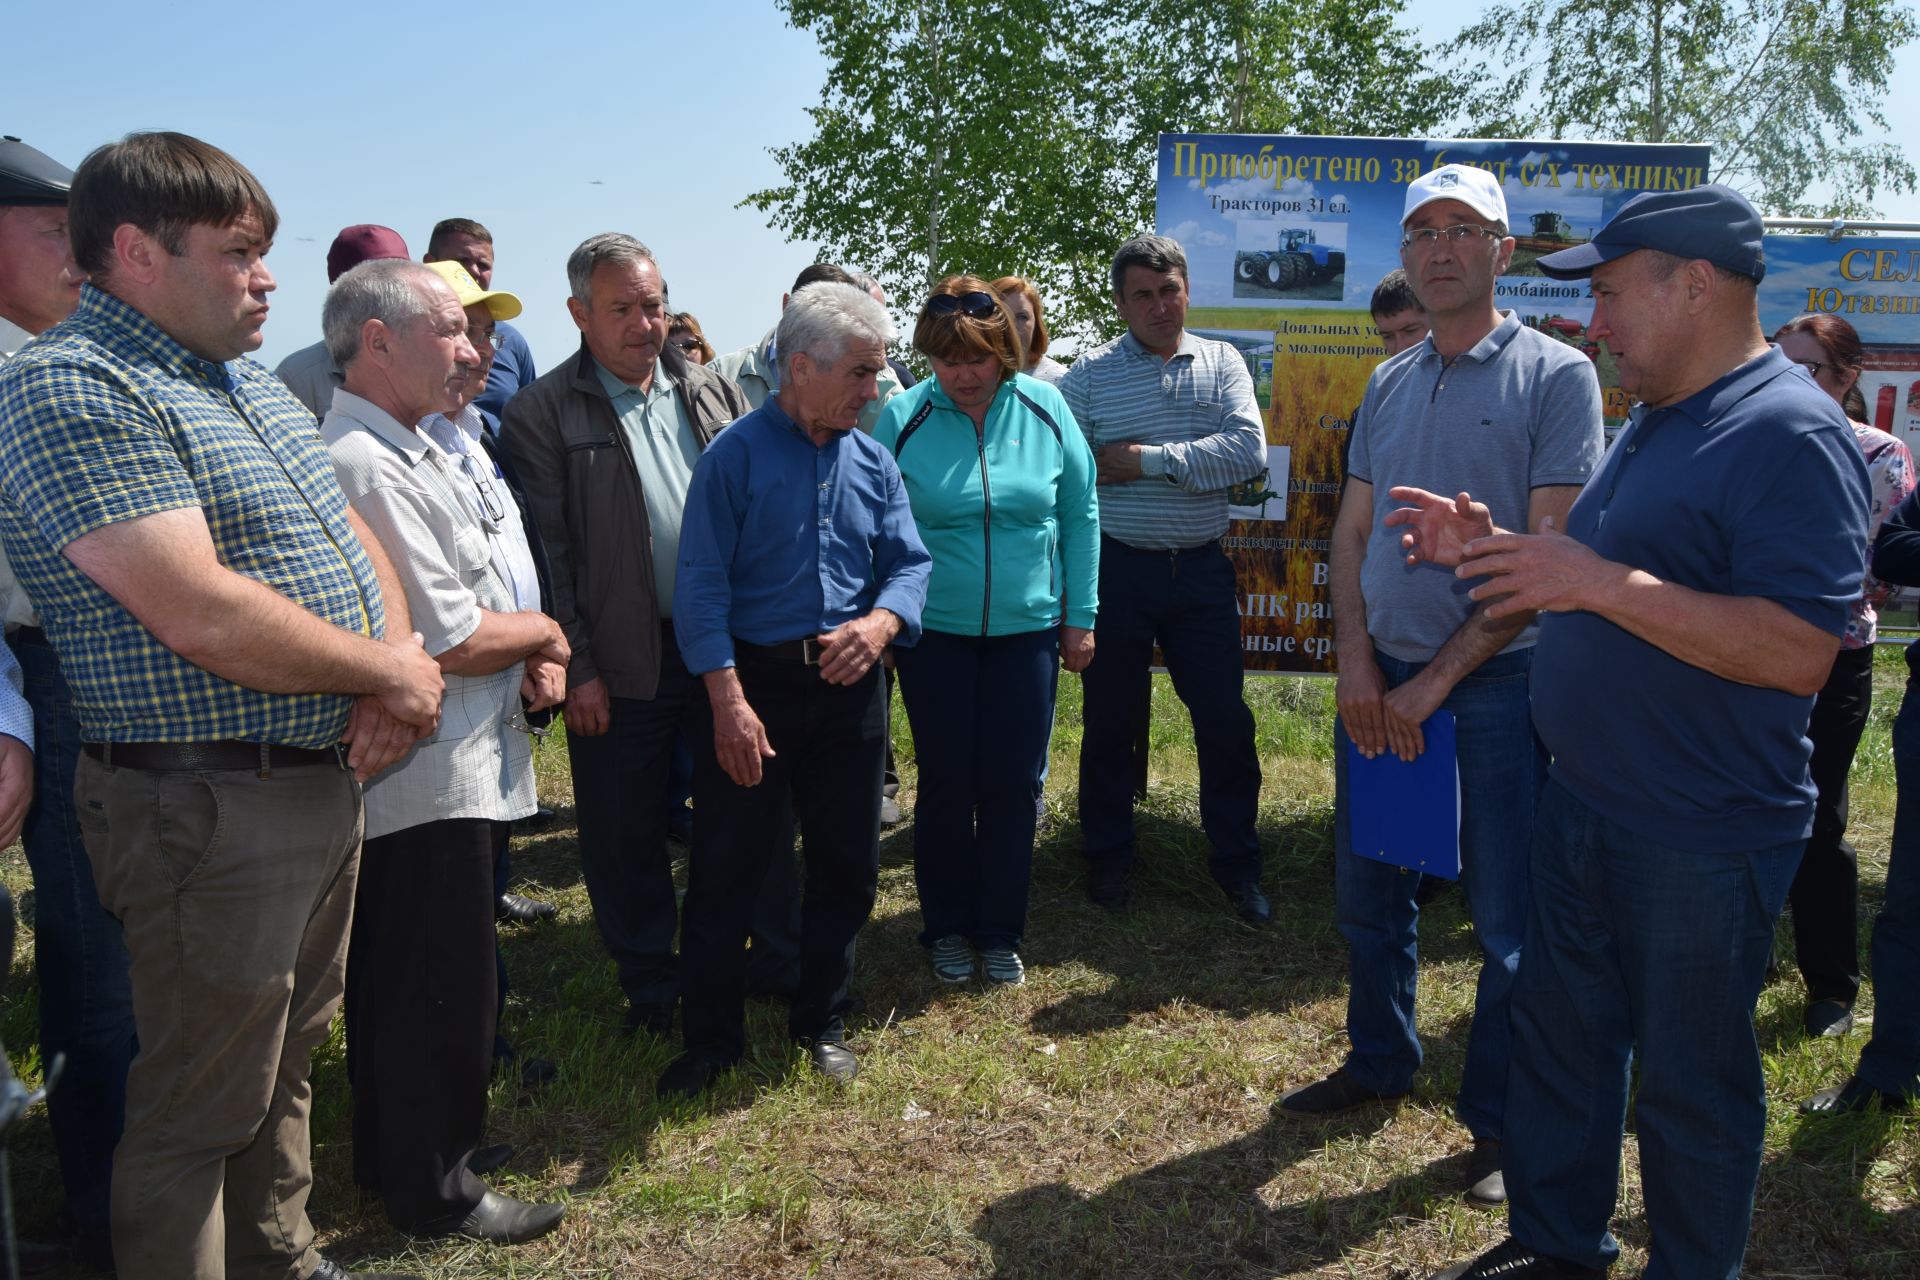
(783, 539)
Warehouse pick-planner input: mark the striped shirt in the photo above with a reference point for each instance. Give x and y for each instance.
(1196, 415)
(106, 418)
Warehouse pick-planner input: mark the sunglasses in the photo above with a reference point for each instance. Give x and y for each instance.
(981, 306)
(685, 344)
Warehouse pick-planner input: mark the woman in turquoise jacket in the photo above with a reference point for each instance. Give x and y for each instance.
(1001, 482)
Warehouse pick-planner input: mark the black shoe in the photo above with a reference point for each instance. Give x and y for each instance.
(512, 908)
(331, 1270)
(536, 1073)
(1250, 904)
(499, 1219)
(1828, 1018)
(833, 1060)
(1855, 1095)
(654, 1019)
(1511, 1260)
(687, 1076)
(1338, 1092)
(1109, 888)
(485, 1160)
(1486, 1184)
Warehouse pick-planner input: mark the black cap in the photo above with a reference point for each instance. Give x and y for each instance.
(30, 177)
(1711, 222)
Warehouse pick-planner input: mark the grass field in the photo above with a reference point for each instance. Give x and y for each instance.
(1112, 1118)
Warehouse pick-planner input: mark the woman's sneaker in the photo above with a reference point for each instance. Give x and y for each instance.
(953, 960)
(1003, 967)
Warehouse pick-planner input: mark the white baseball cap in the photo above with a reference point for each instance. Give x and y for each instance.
(1478, 189)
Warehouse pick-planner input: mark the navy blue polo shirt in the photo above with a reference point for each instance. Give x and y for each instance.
(1751, 487)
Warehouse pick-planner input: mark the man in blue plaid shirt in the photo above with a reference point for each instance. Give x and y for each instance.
(219, 615)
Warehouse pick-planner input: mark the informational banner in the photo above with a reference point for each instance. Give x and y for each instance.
(1871, 282)
(1286, 238)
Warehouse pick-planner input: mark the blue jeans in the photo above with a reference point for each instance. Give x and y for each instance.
(1639, 948)
(981, 708)
(1502, 768)
(1891, 1060)
(1184, 601)
(86, 995)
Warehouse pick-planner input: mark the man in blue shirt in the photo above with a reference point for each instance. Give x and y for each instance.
(466, 242)
(1688, 615)
(799, 565)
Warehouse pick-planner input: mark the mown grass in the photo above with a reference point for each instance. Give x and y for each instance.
(1113, 1118)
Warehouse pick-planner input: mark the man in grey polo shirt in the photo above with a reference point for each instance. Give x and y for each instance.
(1173, 424)
(1488, 405)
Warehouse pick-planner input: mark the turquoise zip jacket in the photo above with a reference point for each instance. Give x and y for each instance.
(1008, 512)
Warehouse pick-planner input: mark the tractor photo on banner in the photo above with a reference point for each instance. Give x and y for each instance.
(1286, 238)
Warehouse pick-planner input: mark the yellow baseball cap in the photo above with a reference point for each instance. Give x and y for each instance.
(501, 305)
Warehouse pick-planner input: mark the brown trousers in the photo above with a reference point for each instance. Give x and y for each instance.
(235, 892)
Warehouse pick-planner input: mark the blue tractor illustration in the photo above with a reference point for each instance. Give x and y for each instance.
(1298, 260)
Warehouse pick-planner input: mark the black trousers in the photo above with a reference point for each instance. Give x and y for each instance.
(830, 749)
(620, 786)
(420, 1016)
(1825, 899)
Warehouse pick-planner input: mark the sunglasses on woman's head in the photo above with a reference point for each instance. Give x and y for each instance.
(980, 306)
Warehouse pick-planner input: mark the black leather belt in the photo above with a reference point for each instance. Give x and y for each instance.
(209, 757)
(27, 635)
(805, 650)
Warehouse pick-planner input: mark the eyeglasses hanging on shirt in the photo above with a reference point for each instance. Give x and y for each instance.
(492, 511)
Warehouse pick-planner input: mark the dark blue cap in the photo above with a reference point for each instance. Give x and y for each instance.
(31, 177)
(1711, 222)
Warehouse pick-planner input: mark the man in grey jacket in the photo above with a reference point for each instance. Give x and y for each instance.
(605, 445)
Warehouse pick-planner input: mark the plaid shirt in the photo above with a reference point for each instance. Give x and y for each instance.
(105, 418)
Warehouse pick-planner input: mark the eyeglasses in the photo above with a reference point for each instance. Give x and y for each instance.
(483, 485)
(480, 337)
(685, 344)
(981, 306)
(1427, 237)
(518, 720)
(1813, 367)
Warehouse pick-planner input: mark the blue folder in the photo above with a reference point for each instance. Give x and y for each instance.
(1408, 812)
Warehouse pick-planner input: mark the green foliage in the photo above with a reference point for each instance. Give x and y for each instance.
(1781, 89)
(1020, 137)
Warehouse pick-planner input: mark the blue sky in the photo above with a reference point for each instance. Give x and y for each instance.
(585, 116)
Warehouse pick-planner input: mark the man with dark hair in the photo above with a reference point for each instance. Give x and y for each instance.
(466, 242)
(604, 446)
(1487, 404)
(1398, 316)
(1173, 424)
(756, 369)
(310, 372)
(218, 613)
(1688, 615)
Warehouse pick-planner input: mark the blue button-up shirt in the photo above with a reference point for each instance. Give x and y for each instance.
(784, 538)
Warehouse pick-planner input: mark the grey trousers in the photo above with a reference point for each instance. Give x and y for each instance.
(235, 892)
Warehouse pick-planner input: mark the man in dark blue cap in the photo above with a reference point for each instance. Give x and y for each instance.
(1689, 612)
(86, 1000)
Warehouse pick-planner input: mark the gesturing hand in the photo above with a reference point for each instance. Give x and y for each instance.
(1546, 571)
(1438, 529)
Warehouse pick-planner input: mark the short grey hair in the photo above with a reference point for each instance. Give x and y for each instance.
(1155, 253)
(393, 291)
(608, 246)
(822, 320)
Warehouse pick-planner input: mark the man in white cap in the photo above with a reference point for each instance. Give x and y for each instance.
(1485, 404)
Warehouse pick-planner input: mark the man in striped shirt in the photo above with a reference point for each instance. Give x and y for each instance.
(1173, 424)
